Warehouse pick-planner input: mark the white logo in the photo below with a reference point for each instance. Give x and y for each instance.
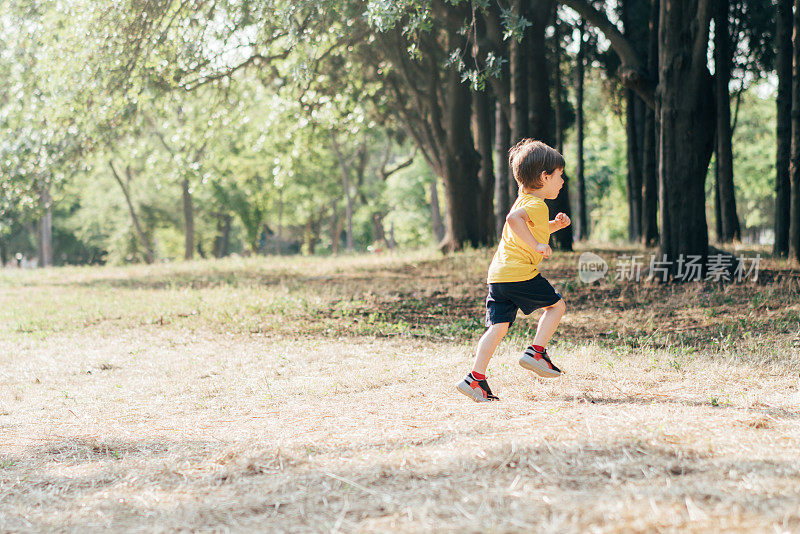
(591, 267)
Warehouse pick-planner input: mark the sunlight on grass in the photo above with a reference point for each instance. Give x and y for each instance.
(287, 393)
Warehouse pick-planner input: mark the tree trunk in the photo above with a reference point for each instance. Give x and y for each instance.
(717, 201)
(188, 220)
(687, 127)
(542, 112)
(501, 147)
(436, 213)
(794, 165)
(149, 255)
(634, 176)
(460, 168)
(558, 87)
(722, 76)
(335, 229)
(311, 233)
(45, 230)
(348, 196)
(378, 231)
(783, 63)
(582, 228)
(482, 112)
(222, 241)
(636, 16)
(518, 63)
(649, 182)
(280, 221)
(649, 152)
(3, 252)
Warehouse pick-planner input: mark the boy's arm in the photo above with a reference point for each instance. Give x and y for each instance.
(518, 223)
(562, 220)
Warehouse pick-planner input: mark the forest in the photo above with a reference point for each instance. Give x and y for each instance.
(149, 131)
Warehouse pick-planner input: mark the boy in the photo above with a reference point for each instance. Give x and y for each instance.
(514, 279)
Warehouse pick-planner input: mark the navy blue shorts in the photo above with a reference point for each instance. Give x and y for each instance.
(505, 298)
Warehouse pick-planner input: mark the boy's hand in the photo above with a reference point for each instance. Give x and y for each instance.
(563, 219)
(544, 249)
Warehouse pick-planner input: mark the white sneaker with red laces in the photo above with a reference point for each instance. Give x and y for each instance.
(477, 390)
(539, 363)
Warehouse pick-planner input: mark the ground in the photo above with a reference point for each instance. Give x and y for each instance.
(307, 395)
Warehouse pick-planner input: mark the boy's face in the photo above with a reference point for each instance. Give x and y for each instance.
(552, 183)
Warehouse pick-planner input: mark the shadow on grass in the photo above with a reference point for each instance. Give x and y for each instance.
(646, 400)
(551, 486)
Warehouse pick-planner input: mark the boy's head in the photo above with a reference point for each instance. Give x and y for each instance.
(532, 161)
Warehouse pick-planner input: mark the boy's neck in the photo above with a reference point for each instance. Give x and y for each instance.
(538, 193)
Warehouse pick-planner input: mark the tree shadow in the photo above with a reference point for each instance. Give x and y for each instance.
(648, 399)
(505, 488)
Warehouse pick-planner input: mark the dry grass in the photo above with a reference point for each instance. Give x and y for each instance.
(313, 395)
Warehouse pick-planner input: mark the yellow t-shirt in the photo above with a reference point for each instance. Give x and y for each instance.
(515, 261)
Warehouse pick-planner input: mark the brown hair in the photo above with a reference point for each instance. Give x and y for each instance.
(528, 159)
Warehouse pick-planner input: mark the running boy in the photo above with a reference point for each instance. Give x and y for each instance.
(514, 279)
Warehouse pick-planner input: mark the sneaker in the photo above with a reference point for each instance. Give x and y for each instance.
(539, 363)
(477, 390)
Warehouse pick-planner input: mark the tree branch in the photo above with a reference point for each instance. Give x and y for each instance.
(633, 74)
(148, 251)
(385, 174)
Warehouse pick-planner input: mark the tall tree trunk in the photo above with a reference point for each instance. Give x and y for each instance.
(335, 229)
(3, 252)
(542, 112)
(634, 176)
(635, 18)
(188, 220)
(518, 67)
(649, 182)
(501, 147)
(222, 241)
(482, 112)
(649, 152)
(558, 87)
(783, 64)
(460, 167)
(722, 76)
(437, 224)
(687, 127)
(582, 228)
(348, 196)
(45, 229)
(280, 222)
(717, 202)
(794, 165)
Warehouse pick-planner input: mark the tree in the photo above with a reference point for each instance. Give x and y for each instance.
(794, 164)
(686, 121)
(783, 47)
(582, 228)
(728, 220)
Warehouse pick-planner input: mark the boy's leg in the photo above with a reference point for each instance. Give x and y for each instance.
(535, 357)
(487, 345)
(474, 385)
(548, 323)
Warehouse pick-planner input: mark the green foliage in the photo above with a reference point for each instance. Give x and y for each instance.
(408, 200)
(754, 141)
(754, 144)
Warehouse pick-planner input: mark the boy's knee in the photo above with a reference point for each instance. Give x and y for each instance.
(500, 327)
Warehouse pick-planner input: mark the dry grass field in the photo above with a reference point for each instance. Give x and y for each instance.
(317, 395)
